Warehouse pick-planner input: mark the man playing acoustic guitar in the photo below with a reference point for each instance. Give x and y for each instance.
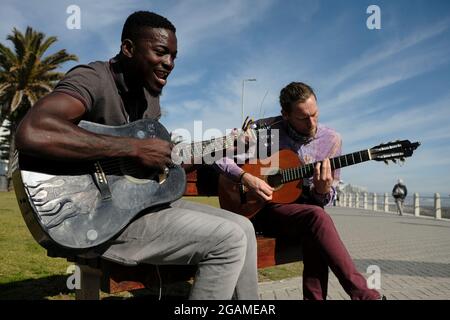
(125, 89)
(305, 220)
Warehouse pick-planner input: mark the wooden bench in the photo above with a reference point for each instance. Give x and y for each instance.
(109, 277)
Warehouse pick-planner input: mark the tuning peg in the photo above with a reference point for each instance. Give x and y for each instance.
(386, 162)
(176, 138)
(394, 160)
(245, 124)
(250, 123)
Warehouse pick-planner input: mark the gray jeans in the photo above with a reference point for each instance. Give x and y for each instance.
(399, 202)
(222, 244)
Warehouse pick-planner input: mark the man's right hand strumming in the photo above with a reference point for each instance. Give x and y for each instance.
(257, 185)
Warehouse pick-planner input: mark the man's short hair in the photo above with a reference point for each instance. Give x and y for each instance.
(295, 92)
(140, 19)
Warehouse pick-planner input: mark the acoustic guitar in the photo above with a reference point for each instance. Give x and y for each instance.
(71, 206)
(287, 178)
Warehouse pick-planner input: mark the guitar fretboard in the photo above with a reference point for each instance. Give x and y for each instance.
(187, 151)
(307, 171)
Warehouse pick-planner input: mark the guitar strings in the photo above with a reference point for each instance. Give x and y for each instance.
(288, 172)
(112, 163)
(195, 149)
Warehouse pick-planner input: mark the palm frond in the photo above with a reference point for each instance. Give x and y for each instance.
(16, 101)
(32, 96)
(45, 45)
(50, 76)
(4, 87)
(35, 41)
(19, 43)
(25, 74)
(7, 58)
(44, 86)
(52, 61)
(26, 69)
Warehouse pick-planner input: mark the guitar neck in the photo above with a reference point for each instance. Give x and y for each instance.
(189, 151)
(307, 171)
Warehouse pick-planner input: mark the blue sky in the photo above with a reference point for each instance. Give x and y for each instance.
(373, 86)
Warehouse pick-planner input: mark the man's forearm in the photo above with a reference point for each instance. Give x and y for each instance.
(229, 168)
(53, 138)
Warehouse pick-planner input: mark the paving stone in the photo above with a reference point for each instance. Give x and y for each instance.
(412, 253)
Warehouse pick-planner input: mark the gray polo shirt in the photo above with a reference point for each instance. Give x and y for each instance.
(100, 86)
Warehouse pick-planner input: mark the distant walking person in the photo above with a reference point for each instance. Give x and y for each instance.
(399, 193)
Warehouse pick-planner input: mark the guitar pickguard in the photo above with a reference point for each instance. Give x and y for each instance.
(61, 197)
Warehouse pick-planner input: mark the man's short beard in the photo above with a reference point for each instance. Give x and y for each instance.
(312, 132)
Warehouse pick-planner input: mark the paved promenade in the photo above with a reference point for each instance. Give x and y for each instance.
(412, 253)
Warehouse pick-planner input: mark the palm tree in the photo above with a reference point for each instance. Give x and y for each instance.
(26, 75)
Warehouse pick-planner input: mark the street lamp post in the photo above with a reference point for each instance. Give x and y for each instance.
(242, 107)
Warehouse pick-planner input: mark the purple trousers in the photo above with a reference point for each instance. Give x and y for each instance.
(322, 248)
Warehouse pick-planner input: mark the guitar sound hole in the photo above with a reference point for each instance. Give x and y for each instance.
(126, 167)
(274, 180)
(140, 172)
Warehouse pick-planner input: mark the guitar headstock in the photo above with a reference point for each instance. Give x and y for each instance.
(393, 151)
(256, 130)
(247, 123)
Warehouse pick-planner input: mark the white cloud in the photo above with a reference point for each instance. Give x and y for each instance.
(414, 122)
(387, 74)
(382, 52)
(354, 90)
(185, 79)
(422, 173)
(98, 18)
(200, 20)
(308, 9)
(10, 17)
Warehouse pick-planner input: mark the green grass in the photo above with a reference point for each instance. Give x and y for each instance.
(27, 273)
(25, 269)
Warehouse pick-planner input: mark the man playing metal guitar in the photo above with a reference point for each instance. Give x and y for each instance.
(125, 89)
(305, 220)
